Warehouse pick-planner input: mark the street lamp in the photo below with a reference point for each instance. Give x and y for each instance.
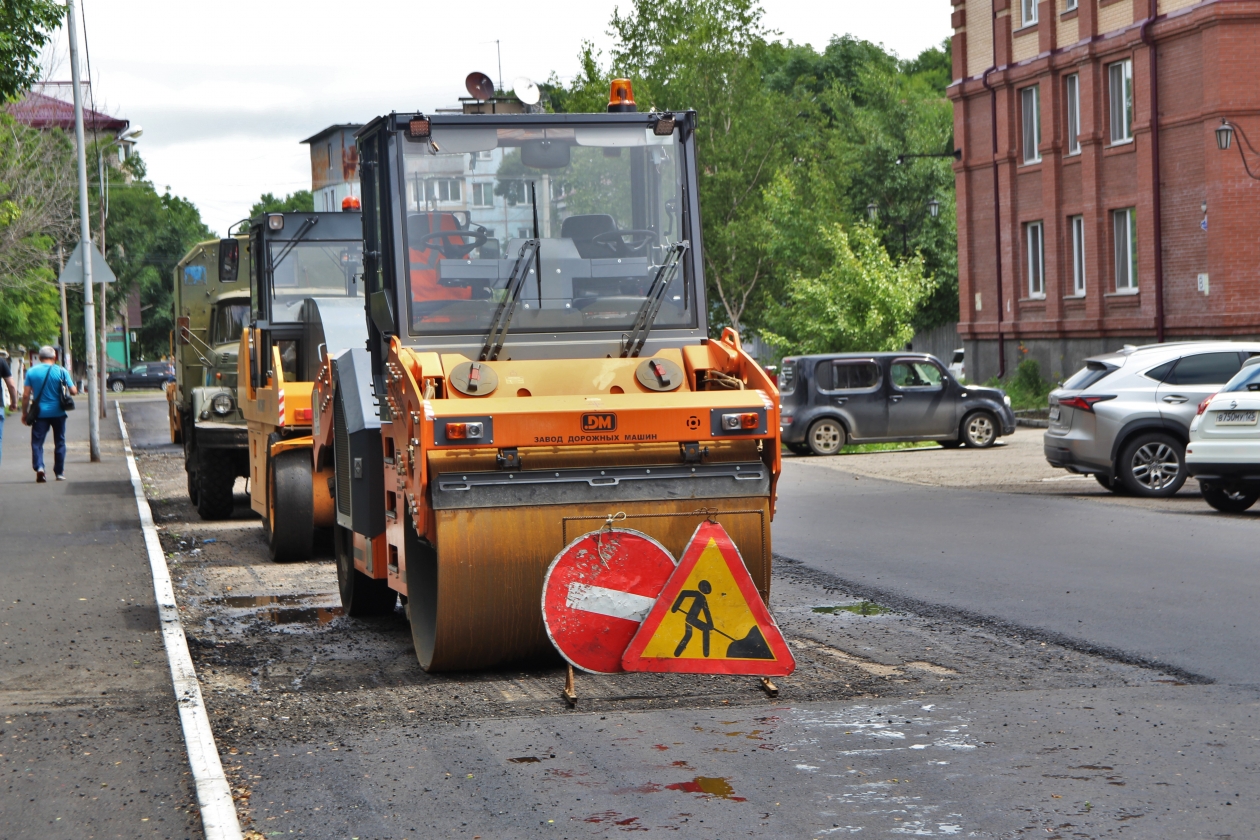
(127, 136)
(1224, 135)
(872, 210)
(934, 207)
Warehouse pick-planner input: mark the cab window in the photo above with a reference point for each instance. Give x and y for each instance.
(910, 374)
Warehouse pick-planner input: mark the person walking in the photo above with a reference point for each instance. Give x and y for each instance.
(43, 387)
(9, 389)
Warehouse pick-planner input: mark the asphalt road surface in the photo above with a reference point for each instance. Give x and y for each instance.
(1014, 691)
(1180, 589)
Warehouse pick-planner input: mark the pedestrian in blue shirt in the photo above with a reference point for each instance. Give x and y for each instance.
(6, 386)
(43, 385)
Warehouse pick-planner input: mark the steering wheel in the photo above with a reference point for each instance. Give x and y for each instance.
(638, 239)
(445, 242)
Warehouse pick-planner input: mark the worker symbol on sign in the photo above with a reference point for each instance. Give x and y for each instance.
(699, 604)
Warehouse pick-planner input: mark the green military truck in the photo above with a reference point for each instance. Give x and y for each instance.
(211, 310)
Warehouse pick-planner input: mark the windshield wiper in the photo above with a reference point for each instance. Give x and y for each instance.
(507, 307)
(310, 222)
(632, 344)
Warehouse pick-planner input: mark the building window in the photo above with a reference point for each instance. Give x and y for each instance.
(1074, 114)
(1036, 259)
(1032, 123)
(1077, 226)
(443, 189)
(1069, 6)
(1028, 12)
(1124, 229)
(483, 195)
(1120, 83)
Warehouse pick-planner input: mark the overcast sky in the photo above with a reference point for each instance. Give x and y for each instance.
(226, 90)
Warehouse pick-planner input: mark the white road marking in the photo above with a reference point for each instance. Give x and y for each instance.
(214, 796)
(609, 602)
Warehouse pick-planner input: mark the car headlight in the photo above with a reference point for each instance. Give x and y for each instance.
(222, 404)
(1006, 400)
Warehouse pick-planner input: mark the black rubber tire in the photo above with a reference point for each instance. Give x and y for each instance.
(950, 444)
(1228, 501)
(118, 386)
(422, 588)
(979, 429)
(215, 477)
(1142, 454)
(290, 507)
(1114, 486)
(826, 436)
(797, 448)
(192, 485)
(361, 596)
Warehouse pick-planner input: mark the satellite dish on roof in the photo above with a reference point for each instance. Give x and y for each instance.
(526, 90)
(479, 86)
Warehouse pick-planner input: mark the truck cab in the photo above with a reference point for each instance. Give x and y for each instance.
(211, 299)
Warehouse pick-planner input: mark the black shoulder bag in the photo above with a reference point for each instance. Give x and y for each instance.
(67, 401)
(32, 410)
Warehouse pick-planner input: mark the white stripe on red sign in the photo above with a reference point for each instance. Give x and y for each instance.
(610, 602)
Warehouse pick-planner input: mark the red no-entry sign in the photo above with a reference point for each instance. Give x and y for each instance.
(597, 592)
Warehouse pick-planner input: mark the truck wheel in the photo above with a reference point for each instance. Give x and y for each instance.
(361, 596)
(1229, 501)
(422, 581)
(825, 436)
(216, 476)
(979, 430)
(290, 507)
(192, 485)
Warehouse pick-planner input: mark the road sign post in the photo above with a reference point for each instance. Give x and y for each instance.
(596, 592)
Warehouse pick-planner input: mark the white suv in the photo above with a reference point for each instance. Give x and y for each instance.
(1224, 449)
(1125, 417)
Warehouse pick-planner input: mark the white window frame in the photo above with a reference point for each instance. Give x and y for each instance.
(1069, 5)
(1120, 101)
(1072, 92)
(1035, 259)
(483, 194)
(1030, 112)
(1076, 228)
(1027, 12)
(1124, 240)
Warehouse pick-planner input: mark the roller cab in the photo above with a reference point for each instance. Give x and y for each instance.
(538, 361)
(305, 292)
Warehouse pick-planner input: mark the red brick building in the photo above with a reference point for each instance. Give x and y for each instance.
(1094, 207)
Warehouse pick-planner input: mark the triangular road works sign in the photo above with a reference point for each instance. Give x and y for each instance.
(709, 618)
(73, 272)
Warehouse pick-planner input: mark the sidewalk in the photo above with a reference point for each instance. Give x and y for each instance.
(90, 740)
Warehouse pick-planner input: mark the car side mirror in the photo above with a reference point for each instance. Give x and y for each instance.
(229, 260)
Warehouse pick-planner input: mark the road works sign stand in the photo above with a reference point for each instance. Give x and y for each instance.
(614, 600)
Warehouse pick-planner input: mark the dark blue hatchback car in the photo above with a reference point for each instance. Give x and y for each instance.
(828, 401)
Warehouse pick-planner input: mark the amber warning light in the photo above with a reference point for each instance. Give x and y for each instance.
(621, 96)
(418, 127)
(464, 431)
(734, 422)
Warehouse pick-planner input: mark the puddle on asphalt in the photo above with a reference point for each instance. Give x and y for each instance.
(709, 786)
(861, 608)
(280, 609)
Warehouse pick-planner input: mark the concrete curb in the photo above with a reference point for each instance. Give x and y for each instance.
(214, 795)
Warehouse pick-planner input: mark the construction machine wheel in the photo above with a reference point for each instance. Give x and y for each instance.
(361, 596)
(215, 478)
(422, 591)
(290, 507)
(192, 485)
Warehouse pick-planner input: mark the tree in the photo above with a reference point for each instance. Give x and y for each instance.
(301, 201)
(856, 298)
(25, 26)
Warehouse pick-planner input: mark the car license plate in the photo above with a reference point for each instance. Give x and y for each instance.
(1235, 418)
(1054, 414)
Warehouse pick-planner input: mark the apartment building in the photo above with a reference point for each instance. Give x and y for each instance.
(1095, 208)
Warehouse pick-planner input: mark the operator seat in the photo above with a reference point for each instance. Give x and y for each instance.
(583, 230)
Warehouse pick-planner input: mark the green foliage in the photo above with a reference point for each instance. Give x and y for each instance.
(25, 26)
(1026, 388)
(854, 297)
(30, 315)
(302, 201)
(826, 126)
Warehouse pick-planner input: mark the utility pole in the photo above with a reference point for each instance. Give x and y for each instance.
(66, 360)
(85, 236)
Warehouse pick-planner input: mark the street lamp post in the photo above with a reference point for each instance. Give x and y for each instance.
(103, 204)
(1225, 138)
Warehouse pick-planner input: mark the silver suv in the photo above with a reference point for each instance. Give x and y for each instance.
(1125, 417)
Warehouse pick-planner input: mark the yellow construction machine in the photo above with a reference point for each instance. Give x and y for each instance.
(306, 300)
(538, 361)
